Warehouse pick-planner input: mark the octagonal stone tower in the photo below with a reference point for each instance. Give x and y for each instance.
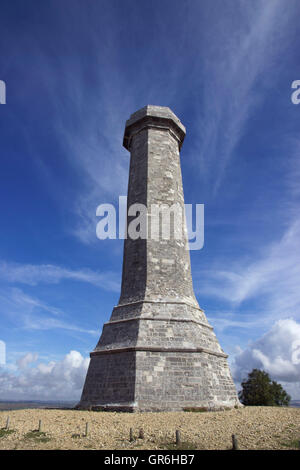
(157, 352)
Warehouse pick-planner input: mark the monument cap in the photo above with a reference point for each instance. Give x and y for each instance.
(160, 117)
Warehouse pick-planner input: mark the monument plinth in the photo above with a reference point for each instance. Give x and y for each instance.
(157, 352)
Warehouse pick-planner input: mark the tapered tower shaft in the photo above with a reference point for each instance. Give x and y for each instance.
(158, 351)
(156, 268)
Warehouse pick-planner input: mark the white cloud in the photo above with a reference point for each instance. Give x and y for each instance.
(277, 352)
(28, 358)
(50, 274)
(55, 380)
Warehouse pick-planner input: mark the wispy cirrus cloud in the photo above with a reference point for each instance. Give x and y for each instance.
(247, 45)
(226, 320)
(36, 322)
(87, 108)
(27, 312)
(50, 274)
(15, 302)
(272, 279)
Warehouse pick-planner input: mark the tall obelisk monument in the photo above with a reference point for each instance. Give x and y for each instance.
(158, 351)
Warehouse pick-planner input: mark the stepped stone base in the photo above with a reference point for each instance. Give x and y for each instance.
(164, 381)
(158, 362)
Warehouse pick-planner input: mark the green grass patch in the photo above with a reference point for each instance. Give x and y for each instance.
(5, 432)
(38, 436)
(291, 444)
(196, 409)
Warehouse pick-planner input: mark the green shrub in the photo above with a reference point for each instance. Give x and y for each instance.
(260, 390)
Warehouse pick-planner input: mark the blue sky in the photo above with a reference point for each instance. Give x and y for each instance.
(74, 72)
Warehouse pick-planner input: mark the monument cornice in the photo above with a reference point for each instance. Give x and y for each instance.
(153, 117)
(157, 349)
(148, 301)
(121, 320)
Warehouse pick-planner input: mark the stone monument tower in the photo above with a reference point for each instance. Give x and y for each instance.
(157, 352)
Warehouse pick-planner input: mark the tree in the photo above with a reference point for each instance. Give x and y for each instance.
(260, 390)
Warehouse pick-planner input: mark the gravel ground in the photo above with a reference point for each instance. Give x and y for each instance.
(255, 428)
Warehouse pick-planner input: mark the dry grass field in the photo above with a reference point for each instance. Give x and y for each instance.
(255, 428)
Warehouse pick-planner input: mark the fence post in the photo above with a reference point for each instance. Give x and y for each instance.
(178, 437)
(234, 442)
(7, 423)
